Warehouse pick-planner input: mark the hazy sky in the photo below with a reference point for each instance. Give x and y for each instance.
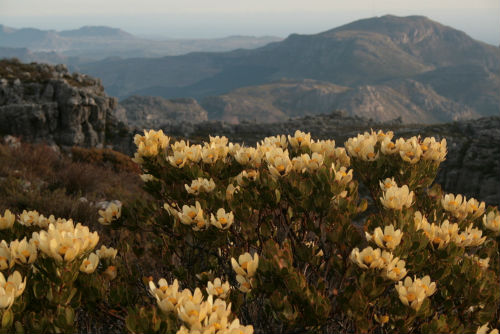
(217, 18)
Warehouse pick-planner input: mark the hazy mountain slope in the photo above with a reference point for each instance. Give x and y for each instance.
(363, 52)
(409, 100)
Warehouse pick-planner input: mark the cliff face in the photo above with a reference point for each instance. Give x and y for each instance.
(43, 103)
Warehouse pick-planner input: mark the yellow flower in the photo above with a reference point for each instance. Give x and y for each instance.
(484, 330)
(367, 258)
(89, 264)
(218, 289)
(492, 222)
(387, 183)
(167, 296)
(412, 293)
(7, 220)
(251, 175)
(112, 212)
(106, 253)
(388, 147)
(6, 260)
(389, 238)
(64, 241)
(223, 221)
(14, 284)
(363, 147)
(397, 197)
(200, 185)
(395, 270)
(248, 156)
(177, 160)
(151, 144)
(342, 176)
(29, 218)
(300, 139)
(382, 319)
(246, 265)
(23, 252)
(279, 163)
(432, 150)
(190, 214)
(409, 150)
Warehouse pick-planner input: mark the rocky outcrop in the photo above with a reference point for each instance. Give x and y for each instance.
(152, 112)
(43, 103)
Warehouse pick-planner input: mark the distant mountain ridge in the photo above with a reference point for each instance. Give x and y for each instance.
(430, 72)
(100, 42)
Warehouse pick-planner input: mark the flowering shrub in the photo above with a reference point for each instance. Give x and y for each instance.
(45, 278)
(275, 237)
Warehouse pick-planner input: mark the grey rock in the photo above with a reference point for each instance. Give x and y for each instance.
(48, 106)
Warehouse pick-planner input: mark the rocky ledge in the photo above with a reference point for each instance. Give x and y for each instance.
(43, 103)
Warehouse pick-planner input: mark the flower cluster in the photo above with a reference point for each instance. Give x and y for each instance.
(446, 232)
(392, 267)
(245, 269)
(150, 145)
(200, 185)
(199, 315)
(368, 147)
(66, 241)
(460, 208)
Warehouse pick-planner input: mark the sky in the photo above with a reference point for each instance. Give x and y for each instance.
(218, 18)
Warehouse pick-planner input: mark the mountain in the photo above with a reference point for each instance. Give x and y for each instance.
(364, 52)
(409, 100)
(91, 43)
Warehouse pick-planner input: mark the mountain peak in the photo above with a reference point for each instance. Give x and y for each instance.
(96, 31)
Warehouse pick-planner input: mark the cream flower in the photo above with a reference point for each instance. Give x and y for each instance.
(324, 147)
(387, 147)
(110, 273)
(246, 265)
(14, 284)
(251, 175)
(409, 150)
(300, 139)
(200, 185)
(279, 163)
(363, 147)
(342, 176)
(484, 330)
(492, 222)
(112, 212)
(395, 270)
(167, 296)
(106, 253)
(217, 289)
(248, 156)
(483, 263)
(412, 293)
(178, 160)
(190, 214)
(223, 221)
(245, 284)
(23, 252)
(397, 197)
(276, 141)
(367, 258)
(29, 218)
(7, 220)
(432, 150)
(389, 238)
(6, 260)
(89, 264)
(387, 183)
(453, 203)
(230, 191)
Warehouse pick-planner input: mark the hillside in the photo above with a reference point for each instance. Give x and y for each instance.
(409, 100)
